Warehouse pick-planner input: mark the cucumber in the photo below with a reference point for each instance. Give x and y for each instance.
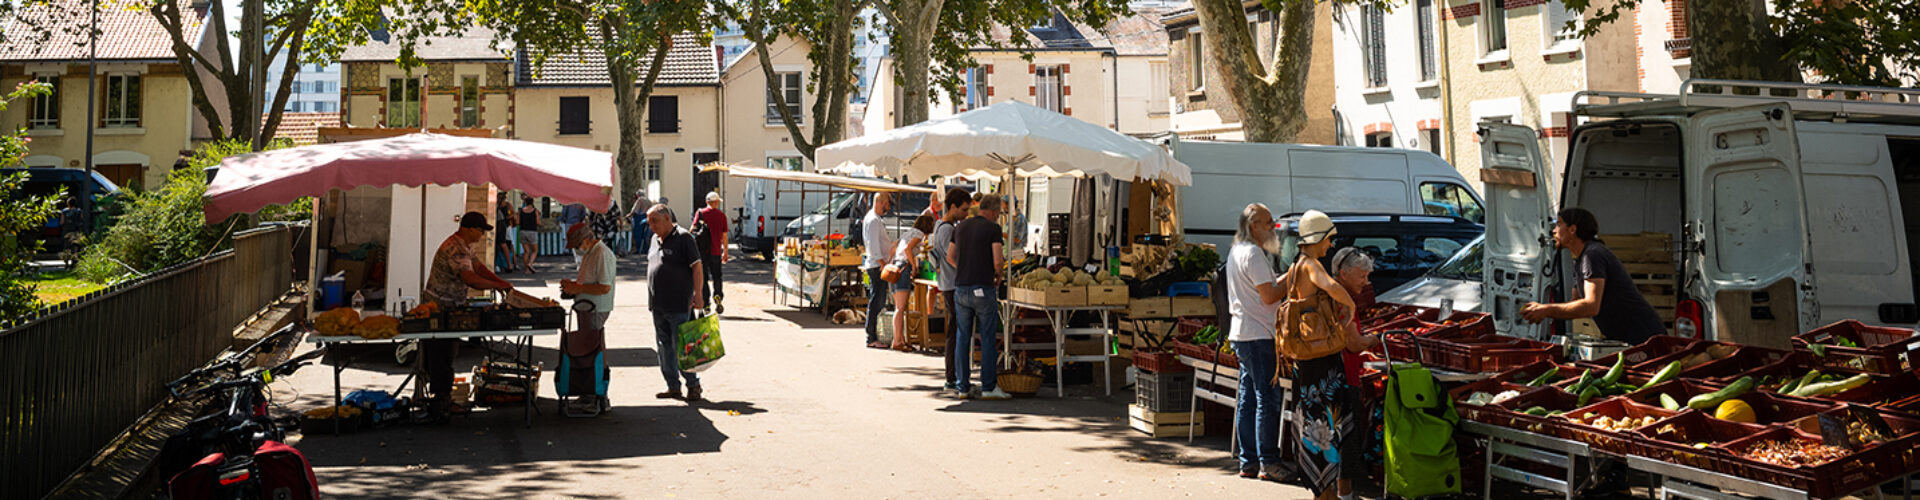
(1827, 388)
(1619, 368)
(1588, 394)
(1544, 377)
(1586, 378)
(1669, 373)
(1667, 401)
(1808, 379)
(1536, 411)
(1713, 399)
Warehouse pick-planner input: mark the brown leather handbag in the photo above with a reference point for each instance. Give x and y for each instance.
(1309, 327)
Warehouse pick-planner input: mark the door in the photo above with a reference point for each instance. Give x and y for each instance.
(129, 175)
(1747, 224)
(1519, 244)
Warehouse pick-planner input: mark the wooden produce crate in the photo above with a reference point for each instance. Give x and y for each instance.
(844, 257)
(1648, 258)
(1150, 307)
(1166, 424)
(1058, 296)
(1192, 306)
(1107, 295)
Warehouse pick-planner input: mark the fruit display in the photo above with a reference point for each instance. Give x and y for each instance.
(1735, 410)
(1610, 423)
(378, 327)
(1810, 386)
(340, 321)
(1189, 258)
(1794, 453)
(1713, 399)
(1063, 276)
(424, 310)
(1590, 387)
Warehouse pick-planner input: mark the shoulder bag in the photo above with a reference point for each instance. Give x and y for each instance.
(1309, 327)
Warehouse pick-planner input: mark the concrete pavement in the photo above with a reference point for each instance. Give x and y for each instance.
(799, 408)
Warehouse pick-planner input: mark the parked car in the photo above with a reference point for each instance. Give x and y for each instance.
(1292, 178)
(1458, 278)
(1785, 213)
(842, 214)
(78, 185)
(1403, 247)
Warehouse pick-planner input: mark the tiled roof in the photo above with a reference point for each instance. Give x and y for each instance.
(689, 62)
(1062, 34)
(304, 128)
(476, 44)
(1140, 34)
(125, 34)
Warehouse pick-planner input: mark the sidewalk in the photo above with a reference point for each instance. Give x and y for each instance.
(799, 408)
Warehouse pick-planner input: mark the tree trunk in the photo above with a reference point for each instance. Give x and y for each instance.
(913, 58)
(1732, 40)
(833, 82)
(630, 104)
(1270, 97)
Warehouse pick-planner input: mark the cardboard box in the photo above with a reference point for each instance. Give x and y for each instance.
(1150, 307)
(1192, 306)
(1058, 296)
(1084, 345)
(1113, 295)
(356, 273)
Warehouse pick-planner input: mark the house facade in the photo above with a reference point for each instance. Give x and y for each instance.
(755, 135)
(1197, 112)
(143, 114)
(1387, 78)
(1514, 61)
(465, 84)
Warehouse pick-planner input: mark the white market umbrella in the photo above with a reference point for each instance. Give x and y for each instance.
(1010, 137)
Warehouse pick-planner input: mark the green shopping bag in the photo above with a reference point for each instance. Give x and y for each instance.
(1422, 459)
(700, 343)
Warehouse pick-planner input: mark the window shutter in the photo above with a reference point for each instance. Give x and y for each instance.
(663, 114)
(574, 115)
(1377, 51)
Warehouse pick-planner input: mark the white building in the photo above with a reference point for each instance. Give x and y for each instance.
(1387, 77)
(316, 88)
(733, 40)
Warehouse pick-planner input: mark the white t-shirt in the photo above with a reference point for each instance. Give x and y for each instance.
(873, 234)
(902, 253)
(1253, 319)
(597, 268)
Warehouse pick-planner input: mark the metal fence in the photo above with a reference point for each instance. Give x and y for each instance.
(75, 376)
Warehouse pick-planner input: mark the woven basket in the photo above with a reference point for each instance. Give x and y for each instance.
(1019, 383)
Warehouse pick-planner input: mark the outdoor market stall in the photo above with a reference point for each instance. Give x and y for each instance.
(1010, 141)
(426, 160)
(813, 270)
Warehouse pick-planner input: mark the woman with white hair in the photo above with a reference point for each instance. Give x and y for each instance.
(1327, 423)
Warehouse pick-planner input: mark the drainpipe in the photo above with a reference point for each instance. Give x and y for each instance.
(1446, 86)
(1113, 88)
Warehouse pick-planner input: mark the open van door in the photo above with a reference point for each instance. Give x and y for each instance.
(1519, 242)
(1747, 223)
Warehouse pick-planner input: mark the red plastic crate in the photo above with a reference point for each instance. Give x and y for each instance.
(1673, 439)
(1471, 324)
(1630, 378)
(1527, 372)
(1383, 312)
(1861, 469)
(1769, 408)
(1489, 386)
(1681, 389)
(1621, 442)
(1884, 349)
(1655, 347)
(1186, 327)
(1484, 354)
(1508, 413)
(1794, 364)
(1880, 391)
(1159, 362)
(1743, 359)
(1206, 353)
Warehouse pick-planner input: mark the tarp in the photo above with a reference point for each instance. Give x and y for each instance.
(1009, 137)
(251, 181)
(839, 181)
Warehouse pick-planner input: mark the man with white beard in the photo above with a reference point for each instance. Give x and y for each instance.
(1253, 296)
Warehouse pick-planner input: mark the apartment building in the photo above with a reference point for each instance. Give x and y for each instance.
(1195, 92)
(1387, 78)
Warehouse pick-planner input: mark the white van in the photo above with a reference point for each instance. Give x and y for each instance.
(1786, 213)
(1294, 178)
(767, 206)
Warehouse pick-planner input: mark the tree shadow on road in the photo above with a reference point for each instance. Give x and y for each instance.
(499, 436)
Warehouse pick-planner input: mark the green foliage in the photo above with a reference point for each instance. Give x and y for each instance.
(1861, 42)
(168, 226)
(964, 25)
(19, 215)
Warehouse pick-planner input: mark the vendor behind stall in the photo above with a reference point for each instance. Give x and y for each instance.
(1607, 294)
(453, 274)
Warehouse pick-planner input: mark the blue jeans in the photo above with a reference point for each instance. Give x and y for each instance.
(976, 312)
(641, 237)
(1257, 407)
(666, 342)
(876, 302)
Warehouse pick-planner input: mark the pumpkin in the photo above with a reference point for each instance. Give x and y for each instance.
(1736, 411)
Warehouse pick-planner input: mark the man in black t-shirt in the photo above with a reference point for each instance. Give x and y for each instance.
(1607, 294)
(673, 292)
(977, 254)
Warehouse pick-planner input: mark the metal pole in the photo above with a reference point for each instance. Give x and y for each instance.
(93, 53)
(255, 47)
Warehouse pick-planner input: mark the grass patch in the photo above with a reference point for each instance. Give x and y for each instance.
(61, 286)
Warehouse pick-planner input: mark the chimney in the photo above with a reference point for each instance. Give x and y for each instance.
(719, 57)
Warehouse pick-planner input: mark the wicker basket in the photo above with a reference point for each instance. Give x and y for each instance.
(1019, 383)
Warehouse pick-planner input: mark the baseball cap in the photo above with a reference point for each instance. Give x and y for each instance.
(576, 234)
(713, 197)
(1315, 226)
(474, 219)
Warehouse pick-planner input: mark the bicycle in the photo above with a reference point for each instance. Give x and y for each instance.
(235, 449)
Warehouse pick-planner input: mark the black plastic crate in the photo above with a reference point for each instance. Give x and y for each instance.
(524, 319)
(1164, 392)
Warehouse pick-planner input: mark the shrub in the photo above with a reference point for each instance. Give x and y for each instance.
(166, 226)
(18, 214)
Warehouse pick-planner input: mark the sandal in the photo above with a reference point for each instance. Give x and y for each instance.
(878, 345)
(903, 348)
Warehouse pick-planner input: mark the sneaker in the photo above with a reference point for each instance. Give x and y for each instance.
(670, 394)
(966, 394)
(1276, 473)
(1253, 473)
(948, 387)
(995, 395)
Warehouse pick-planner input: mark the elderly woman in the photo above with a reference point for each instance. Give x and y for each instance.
(1327, 424)
(1352, 268)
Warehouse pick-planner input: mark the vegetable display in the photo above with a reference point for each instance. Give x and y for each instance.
(1610, 423)
(1713, 399)
(1830, 388)
(1797, 453)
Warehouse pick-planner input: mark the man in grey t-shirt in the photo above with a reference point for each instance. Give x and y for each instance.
(873, 232)
(956, 209)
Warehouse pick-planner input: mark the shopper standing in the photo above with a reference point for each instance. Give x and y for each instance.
(1326, 424)
(873, 234)
(956, 208)
(1253, 299)
(529, 233)
(642, 235)
(572, 213)
(673, 293)
(716, 254)
(977, 254)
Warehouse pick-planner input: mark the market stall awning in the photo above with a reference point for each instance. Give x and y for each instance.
(1008, 137)
(251, 181)
(839, 181)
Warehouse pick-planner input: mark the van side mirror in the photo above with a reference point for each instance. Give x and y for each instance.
(1894, 313)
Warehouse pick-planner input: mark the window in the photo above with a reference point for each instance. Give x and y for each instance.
(793, 163)
(1429, 64)
(789, 89)
(574, 115)
(1046, 87)
(1157, 96)
(1373, 44)
(1196, 62)
(1380, 140)
(652, 173)
(45, 112)
(977, 88)
(319, 68)
(469, 101)
(403, 102)
(1441, 198)
(326, 106)
(123, 101)
(294, 106)
(1433, 140)
(1558, 30)
(663, 114)
(1493, 26)
(296, 88)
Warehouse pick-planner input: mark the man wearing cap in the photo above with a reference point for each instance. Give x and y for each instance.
(454, 273)
(716, 254)
(593, 283)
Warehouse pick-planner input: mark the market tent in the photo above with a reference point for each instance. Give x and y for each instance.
(839, 181)
(251, 181)
(1010, 137)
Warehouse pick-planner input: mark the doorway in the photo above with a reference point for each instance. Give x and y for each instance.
(124, 175)
(704, 182)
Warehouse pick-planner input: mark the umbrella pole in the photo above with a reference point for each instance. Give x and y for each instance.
(422, 255)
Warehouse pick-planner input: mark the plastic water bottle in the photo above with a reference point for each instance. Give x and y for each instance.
(359, 301)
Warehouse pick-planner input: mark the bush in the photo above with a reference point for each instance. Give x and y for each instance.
(166, 226)
(19, 214)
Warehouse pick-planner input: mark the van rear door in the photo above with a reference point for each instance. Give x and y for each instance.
(1747, 222)
(1519, 242)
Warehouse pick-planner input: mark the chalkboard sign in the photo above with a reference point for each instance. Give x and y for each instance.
(1833, 426)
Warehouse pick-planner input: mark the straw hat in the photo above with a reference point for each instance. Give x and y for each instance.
(1315, 227)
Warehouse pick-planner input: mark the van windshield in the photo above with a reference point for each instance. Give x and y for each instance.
(1465, 264)
(835, 205)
